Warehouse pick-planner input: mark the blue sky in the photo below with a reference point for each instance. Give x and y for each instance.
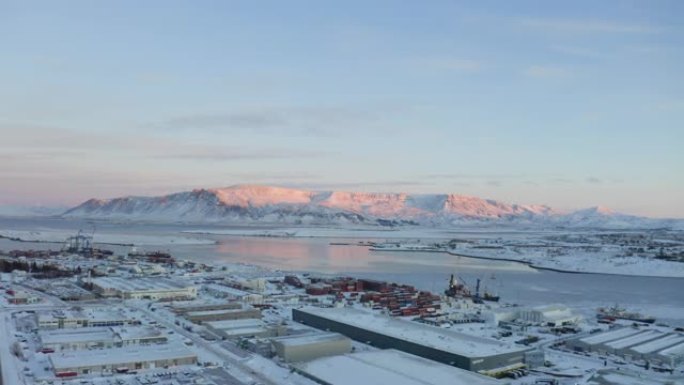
(571, 104)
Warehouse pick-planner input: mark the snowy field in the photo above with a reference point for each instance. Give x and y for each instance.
(58, 235)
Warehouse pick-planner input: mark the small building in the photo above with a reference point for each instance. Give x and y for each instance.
(244, 328)
(243, 312)
(222, 291)
(388, 366)
(120, 359)
(21, 297)
(552, 315)
(310, 346)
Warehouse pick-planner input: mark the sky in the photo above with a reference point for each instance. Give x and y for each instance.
(571, 104)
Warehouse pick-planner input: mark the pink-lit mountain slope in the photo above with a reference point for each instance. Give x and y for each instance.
(267, 204)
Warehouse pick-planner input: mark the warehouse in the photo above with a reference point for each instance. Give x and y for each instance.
(552, 315)
(621, 346)
(144, 288)
(644, 351)
(233, 329)
(596, 343)
(311, 346)
(73, 318)
(187, 307)
(446, 346)
(222, 291)
(243, 312)
(648, 345)
(121, 359)
(389, 366)
(98, 338)
(672, 356)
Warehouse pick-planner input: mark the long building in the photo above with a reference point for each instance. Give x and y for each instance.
(307, 347)
(649, 345)
(121, 359)
(387, 367)
(74, 318)
(244, 312)
(441, 345)
(98, 338)
(144, 288)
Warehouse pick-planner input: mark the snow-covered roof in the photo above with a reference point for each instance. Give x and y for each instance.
(235, 324)
(61, 336)
(610, 336)
(140, 284)
(307, 339)
(661, 343)
(389, 367)
(674, 351)
(118, 356)
(216, 312)
(438, 338)
(634, 339)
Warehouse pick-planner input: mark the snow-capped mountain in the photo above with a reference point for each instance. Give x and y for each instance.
(267, 204)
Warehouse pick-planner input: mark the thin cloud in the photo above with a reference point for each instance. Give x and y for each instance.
(322, 121)
(222, 154)
(587, 26)
(594, 180)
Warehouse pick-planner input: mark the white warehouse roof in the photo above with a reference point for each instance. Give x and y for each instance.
(389, 366)
(437, 338)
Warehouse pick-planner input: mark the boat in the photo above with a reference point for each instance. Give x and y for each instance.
(615, 313)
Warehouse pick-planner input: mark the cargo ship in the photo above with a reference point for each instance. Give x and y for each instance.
(615, 313)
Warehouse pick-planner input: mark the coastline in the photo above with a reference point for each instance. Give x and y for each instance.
(528, 263)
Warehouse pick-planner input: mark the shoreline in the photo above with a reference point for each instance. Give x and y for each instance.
(530, 264)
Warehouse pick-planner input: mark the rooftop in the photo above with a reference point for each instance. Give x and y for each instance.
(634, 339)
(610, 336)
(118, 356)
(661, 343)
(437, 338)
(140, 284)
(390, 367)
(233, 324)
(306, 339)
(61, 336)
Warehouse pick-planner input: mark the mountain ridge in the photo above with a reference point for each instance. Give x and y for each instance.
(282, 205)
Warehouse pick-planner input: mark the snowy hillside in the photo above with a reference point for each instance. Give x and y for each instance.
(266, 204)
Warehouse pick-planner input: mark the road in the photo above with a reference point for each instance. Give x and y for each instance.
(197, 340)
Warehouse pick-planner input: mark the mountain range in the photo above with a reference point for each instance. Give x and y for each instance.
(256, 204)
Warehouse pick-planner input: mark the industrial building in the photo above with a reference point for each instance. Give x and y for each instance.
(193, 306)
(649, 345)
(310, 346)
(60, 319)
(389, 366)
(144, 288)
(243, 312)
(222, 291)
(120, 359)
(241, 328)
(552, 315)
(99, 338)
(442, 345)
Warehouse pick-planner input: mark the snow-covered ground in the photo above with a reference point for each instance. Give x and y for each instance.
(603, 262)
(55, 235)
